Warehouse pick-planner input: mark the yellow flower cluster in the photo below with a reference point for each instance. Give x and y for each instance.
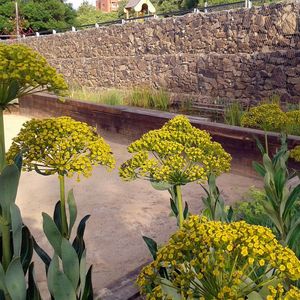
(177, 153)
(294, 122)
(268, 117)
(215, 260)
(279, 293)
(25, 71)
(60, 145)
(295, 153)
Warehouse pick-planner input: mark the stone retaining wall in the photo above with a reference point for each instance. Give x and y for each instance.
(239, 54)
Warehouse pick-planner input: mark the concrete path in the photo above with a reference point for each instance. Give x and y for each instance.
(120, 212)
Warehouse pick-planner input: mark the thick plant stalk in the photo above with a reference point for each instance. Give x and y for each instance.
(179, 206)
(2, 141)
(5, 229)
(266, 143)
(64, 224)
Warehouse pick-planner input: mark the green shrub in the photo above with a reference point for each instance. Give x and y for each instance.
(294, 122)
(252, 210)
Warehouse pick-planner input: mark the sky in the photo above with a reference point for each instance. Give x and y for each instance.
(76, 3)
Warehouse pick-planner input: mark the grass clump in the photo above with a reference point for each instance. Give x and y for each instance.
(233, 114)
(110, 97)
(145, 97)
(149, 98)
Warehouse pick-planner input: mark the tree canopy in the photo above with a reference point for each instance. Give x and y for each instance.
(87, 14)
(37, 15)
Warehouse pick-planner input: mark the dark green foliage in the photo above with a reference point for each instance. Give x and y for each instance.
(16, 242)
(87, 14)
(37, 15)
(71, 255)
(214, 204)
(252, 210)
(152, 246)
(282, 198)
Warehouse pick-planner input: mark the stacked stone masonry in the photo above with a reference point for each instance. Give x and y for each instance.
(245, 54)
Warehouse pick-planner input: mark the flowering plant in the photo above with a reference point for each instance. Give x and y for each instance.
(268, 117)
(175, 155)
(294, 121)
(178, 153)
(64, 147)
(295, 153)
(60, 146)
(214, 260)
(22, 72)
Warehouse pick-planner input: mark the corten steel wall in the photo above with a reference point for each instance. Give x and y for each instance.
(243, 54)
(133, 122)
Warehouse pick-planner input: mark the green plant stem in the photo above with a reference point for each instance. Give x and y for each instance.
(6, 246)
(2, 141)
(266, 143)
(179, 206)
(64, 224)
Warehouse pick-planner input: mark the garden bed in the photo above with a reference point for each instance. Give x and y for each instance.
(133, 122)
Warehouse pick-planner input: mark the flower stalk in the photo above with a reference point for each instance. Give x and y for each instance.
(179, 206)
(2, 141)
(64, 224)
(6, 252)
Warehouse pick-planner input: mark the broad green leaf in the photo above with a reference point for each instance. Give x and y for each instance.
(173, 207)
(9, 181)
(26, 249)
(15, 280)
(268, 163)
(293, 197)
(70, 262)
(52, 233)
(18, 161)
(33, 292)
(152, 246)
(272, 214)
(293, 236)
(260, 146)
(265, 291)
(72, 210)
(254, 296)
(57, 216)
(169, 290)
(160, 186)
(186, 211)
(88, 289)
(82, 273)
(78, 243)
(2, 279)
(230, 214)
(59, 285)
(42, 254)
(16, 223)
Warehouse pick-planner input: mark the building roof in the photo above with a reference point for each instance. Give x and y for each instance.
(137, 5)
(132, 3)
